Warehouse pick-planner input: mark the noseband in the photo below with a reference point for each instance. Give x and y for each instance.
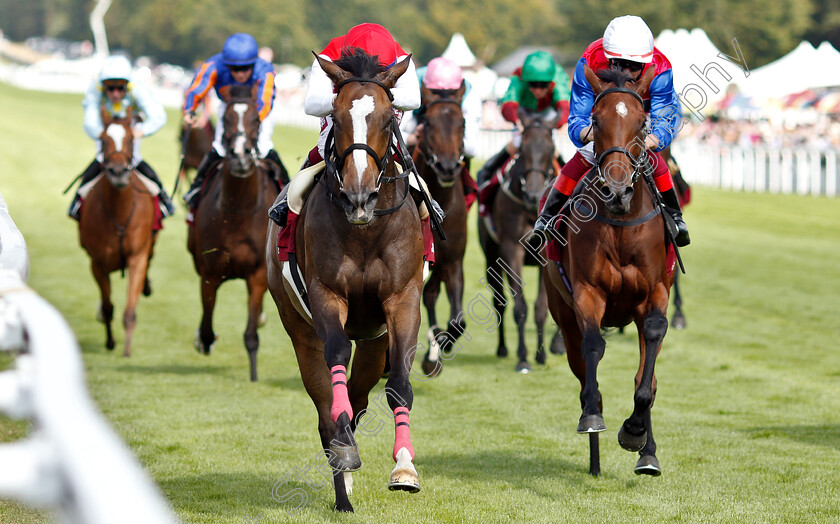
(637, 163)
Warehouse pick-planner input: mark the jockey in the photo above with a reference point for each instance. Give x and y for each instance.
(321, 93)
(237, 64)
(628, 45)
(541, 87)
(114, 91)
(442, 74)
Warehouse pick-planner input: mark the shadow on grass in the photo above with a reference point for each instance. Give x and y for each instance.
(175, 369)
(823, 435)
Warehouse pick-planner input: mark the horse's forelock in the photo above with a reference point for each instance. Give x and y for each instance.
(359, 63)
(240, 92)
(614, 76)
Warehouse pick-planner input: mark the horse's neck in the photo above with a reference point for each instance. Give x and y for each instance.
(118, 201)
(239, 193)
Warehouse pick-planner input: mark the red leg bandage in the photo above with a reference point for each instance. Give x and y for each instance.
(341, 402)
(402, 432)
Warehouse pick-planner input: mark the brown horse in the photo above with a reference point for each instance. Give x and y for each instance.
(116, 224)
(439, 157)
(613, 253)
(359, 247)
(196, 144)
(227, 240)
(514, 211)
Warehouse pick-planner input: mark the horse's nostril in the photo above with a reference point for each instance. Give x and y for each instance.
(628, 190)
(372, 197)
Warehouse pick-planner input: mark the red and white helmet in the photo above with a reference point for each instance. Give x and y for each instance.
(628, 38)
(443, 73)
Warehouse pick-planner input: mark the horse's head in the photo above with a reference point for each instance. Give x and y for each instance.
(362, 128)
(534, 166)
(619, 125)
(442, 144)
(117, 148)
(242, 126)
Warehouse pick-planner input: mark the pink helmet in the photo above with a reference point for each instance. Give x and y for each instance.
(443, 73)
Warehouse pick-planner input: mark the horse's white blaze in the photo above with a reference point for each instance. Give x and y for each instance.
(362, 107)
(117, 134)
(621, 109)
(239, 142)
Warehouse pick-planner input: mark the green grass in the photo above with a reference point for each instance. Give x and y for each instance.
(747, 418)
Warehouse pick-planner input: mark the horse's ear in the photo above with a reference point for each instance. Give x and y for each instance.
(523, 114)
(459, 94)
(597, 84)
(335, 73)
(642, 84)
(425, 92)
(389, 77)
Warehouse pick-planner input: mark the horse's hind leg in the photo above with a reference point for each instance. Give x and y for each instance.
(540, 312)
(257, 285)
(678, 320)
(494, 279)
(205, 339)
(137, 266)
(454, 280)
(105, 314)
(633, 434)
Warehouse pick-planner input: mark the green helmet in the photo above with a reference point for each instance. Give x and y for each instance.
(539, 66)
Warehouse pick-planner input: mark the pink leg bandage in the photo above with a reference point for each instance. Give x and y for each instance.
(402, 432)
(341, 402)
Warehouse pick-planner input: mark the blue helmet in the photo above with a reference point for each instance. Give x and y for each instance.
(240, 49)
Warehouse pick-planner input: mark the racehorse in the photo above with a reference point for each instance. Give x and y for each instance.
(359, 248)
(439, 157)
(615, 258)
(116, 224)
(196, 144)
(514, 211)
(227, 240)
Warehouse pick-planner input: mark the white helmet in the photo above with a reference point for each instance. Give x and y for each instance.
(115, 68)
(628, 38)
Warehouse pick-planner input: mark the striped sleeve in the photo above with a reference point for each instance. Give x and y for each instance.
(204, 80)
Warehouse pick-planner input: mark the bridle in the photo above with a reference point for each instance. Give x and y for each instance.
(229, 140)
(522, 174)
(430, 158)
(637, 162)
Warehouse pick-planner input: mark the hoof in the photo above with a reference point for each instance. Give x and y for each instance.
(346, 508)
(523, 367)
(631, 442)
(540, 358)
(404, 476)
(558, 345)
(648, 465)
(432, 369)
(591, 424)
(345, 458)
(501, 352)
(199, 345)
(678, 322)
(147, 287)
(109, 345)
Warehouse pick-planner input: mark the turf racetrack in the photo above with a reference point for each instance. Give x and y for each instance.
(747, 417)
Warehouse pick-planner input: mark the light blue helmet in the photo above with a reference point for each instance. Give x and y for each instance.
(240, 50)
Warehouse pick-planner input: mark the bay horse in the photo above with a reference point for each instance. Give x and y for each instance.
(615, 258)
(359, 248)
(227, 239)
(196, 144)
(514, 212)
(439, 157)
(116, 225)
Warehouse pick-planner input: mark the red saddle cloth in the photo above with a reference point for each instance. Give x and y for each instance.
(286, 239)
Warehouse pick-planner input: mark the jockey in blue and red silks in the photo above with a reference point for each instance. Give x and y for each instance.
(321, 93)
(237, 64)
(628, 45)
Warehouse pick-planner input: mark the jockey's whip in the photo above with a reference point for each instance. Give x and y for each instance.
(408, 163)
(184, 140)
(72, 183)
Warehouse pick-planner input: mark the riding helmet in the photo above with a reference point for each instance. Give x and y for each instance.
(116, 67)
(443, 73)
(539, 66)
(240, 50)
(628, 38)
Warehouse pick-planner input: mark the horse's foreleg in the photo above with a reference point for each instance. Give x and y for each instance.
(540, 312)
(590, 310)
(494, 280)
(105, 314)
(514, 258)
(205, 338)
(633, 433)
(257, 285)
(137, 266)
(431, 361)
(403, 318)
(337, 351)
(455, 293)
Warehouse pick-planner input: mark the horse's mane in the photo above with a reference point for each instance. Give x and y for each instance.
(615, 76)
(239, 92)
(358, 62)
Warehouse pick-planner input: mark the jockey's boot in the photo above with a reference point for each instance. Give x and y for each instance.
(89, 173)
(554, 202)
(166, 205)
(279, 212)
(281, 175)
(493, 163)
(672, 204)
(417, 195)
(192, 195)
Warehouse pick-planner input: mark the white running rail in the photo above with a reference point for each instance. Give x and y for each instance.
(72, 463)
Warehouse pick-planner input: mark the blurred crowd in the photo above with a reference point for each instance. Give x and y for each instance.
(821, 134)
